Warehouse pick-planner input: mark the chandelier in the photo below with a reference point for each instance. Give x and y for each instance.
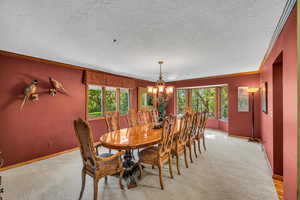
(160, 86)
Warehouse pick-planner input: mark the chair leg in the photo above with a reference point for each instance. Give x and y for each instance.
(132, 154)
(83, 175)
(185, 158)
(204, 143)
(195, 149)
(96, 188)
(141, 170)
(190, 151)
(198, 142)
(120, 179)
(160, 177)
(170, 167)
(177, 164)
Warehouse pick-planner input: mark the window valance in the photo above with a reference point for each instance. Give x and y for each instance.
(100, 78)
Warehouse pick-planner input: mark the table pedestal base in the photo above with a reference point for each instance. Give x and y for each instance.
(131, 170)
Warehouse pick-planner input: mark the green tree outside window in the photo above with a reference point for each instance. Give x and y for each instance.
(224, 103)
(124, 101)
(208, 94)
(110, 99)
(94, 101)
(181, 100)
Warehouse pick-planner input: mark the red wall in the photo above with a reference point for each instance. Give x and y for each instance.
(239, 123)
(286, 44)
(43, 127)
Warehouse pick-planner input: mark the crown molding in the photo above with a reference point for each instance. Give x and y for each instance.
(279, 27)
(218, 76)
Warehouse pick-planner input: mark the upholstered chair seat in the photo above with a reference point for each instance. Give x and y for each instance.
(151, 156)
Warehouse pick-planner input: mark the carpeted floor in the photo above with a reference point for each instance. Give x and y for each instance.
(231, 169)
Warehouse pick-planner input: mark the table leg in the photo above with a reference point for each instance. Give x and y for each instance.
(130, 169)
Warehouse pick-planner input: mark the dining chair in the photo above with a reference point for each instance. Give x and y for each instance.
(154, 117)
(160, 154)
(112, 120)
(191, 130)
(132, 118)
(200, 132)
(188, 110)
(140, 118)
(180, 141)
(93, 165)
(146, 117)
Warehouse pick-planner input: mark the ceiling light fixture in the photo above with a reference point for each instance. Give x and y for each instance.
(160, 86)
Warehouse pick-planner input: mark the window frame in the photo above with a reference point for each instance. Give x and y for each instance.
(215, 116)
(118, 101)
(186, 100)
(217, 98)
(220, 104)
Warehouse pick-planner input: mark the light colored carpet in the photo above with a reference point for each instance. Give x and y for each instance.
(231, 169)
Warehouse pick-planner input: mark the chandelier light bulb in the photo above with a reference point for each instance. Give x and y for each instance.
(150, 89)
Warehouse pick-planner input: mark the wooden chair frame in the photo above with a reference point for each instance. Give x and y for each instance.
(93, 165)
(180, 141)
(132, 118)
(158, 155)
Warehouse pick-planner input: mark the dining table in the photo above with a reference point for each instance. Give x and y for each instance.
(128, 139)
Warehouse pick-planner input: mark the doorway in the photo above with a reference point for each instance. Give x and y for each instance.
(278, 115)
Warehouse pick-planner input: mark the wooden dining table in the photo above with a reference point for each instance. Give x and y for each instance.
(132, 138)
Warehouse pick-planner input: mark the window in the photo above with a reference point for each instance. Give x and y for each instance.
(110, 99)
(224, 103)
(192, 99)
(95, 104)
(196, 100)
(206, 94)
(209, 94)
(107, 99)
(147, 100)
(181, 100)
(124, 101)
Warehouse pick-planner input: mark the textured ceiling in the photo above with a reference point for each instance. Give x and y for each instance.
(195, 38)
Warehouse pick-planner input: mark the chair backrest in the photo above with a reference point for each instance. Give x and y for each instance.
(112, 121)
(188, 110)
(85, 137)
(185, 122)
(140, 118)
(167, 137)
(194, 123)
(132, 118)
(202, 124)
(155, 117)
(146, 117)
